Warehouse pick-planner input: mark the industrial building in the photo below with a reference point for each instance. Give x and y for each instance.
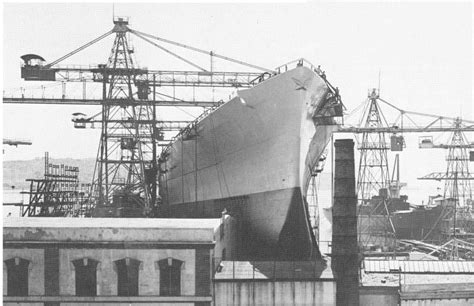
(110, 261)
(416, 282)
(274, 283)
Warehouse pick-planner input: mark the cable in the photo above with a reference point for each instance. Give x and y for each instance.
(79, 49)
(203, 51)
(169, 52)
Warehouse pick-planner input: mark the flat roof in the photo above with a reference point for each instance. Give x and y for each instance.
(427, 280)
(58, 222)
(419, 266)
(86, 231)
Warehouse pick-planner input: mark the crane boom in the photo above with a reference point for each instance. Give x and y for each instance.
(358, 130)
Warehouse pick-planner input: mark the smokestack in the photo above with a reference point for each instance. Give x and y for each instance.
(345, 263)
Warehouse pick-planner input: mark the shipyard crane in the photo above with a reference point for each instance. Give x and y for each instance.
(125, 175)
(373, 175)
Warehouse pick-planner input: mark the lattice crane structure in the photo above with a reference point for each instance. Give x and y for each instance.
(374, 183)
(373, 174)
(125, 176)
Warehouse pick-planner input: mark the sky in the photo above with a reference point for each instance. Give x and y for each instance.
(423, 52)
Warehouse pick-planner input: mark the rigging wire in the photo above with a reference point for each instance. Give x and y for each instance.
(202, 51)
(169, 52)
(79, 49)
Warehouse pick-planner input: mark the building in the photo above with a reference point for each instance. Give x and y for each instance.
(69, 261)
(417, 282)
(275, 283)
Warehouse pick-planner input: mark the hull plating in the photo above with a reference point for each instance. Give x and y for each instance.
(253, 157)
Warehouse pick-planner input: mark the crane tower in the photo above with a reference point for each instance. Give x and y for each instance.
(126, 167)
(373, 173)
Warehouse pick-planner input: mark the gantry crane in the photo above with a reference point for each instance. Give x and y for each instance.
(125, 175)
(373, 174)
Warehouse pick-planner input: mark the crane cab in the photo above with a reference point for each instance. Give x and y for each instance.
(397, 142)
(79, 120)
(142, 90)
(34, 69)
(425, 142)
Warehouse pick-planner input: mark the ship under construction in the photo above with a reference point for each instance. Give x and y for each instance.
(253, 156)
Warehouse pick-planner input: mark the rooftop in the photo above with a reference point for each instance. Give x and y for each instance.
(419, 266)
(46, 222)
(109, 230)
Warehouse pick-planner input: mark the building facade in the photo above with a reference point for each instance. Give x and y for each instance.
(55, 261)
(275, 283)
(416, 282)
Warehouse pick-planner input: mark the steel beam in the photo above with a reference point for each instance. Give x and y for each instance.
(58, 101)
(404, 130)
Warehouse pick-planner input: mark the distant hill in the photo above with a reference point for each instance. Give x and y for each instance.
(15, 172)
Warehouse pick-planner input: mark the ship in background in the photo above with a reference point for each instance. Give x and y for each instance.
(253, 158)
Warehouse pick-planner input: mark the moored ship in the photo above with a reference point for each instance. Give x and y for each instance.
(254, 157)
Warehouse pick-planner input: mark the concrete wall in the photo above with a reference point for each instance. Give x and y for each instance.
(51, 251)
(106, 272)
(149, 274)
(109, 234)
(275, 293)
(378, 296)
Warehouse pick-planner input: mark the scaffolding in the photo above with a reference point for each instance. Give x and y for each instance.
(57, 194)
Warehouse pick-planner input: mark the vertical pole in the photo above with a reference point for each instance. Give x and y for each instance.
(103, 141)
(46, 163)
(233, 282)
(153, 158)
(253, 285)
(211, 55)
(182, 170)
(273, 283)
(64, 90)
(195, 167)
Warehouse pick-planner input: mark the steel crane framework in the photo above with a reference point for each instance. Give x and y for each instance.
(125, 175)
(373, 174)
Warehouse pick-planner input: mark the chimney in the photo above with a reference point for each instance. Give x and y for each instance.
(345, 263)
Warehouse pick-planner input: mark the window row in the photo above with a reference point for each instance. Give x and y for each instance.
(86, 276)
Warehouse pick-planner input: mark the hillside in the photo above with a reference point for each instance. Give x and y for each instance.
(16, 172)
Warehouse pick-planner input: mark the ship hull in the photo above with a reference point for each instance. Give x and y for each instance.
(253, 157)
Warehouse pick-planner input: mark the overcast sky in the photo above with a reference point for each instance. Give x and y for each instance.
(423, 50)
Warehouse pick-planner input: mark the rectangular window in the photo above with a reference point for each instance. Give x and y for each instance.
(170, 277)
(127, 276)
(86, 276)
(17, 276)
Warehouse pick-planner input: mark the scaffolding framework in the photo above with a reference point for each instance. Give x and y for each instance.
(57, 194)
